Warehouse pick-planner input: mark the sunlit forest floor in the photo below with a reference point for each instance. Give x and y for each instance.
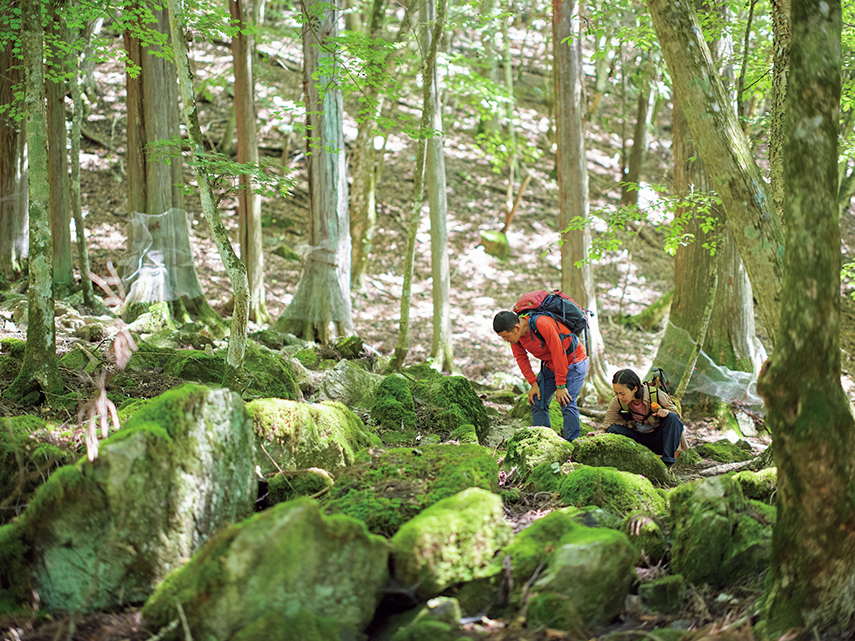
(627, 280)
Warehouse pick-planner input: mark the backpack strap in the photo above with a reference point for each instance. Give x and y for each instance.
(532, 324)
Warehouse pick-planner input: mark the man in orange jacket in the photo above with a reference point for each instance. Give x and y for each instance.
(561, 374)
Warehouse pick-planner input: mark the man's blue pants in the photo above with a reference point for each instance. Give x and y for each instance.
(546, 380)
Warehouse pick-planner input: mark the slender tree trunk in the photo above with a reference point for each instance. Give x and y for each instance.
(573, 178)
(442, 349)
(781, 48)
(40, 369)
(746, 199)
(403, 345)
(60, 208)
(813, 550)
(644, 112)
(323, 293)
(489, 63)
(236, 270)
(249, 201)
(510, 115)
(14, 239)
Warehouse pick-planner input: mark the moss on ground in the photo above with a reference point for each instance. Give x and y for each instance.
(450, 402)
(287, 486)
(616, 491)
(393, 409)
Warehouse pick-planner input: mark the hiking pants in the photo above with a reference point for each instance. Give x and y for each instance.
(664, 440)
(546, 380)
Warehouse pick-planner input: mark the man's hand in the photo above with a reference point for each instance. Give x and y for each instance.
(563, 396)
(532, 392)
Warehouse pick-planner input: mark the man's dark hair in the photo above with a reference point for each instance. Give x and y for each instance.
(505, 322)
(628, 379)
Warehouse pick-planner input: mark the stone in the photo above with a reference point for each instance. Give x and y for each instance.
(613, 490)
(449, 402)
(531, 446)
(622, 453)
(349, 383)
(665, 595)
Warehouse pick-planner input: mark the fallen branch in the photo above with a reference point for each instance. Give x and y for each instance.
(725, 468)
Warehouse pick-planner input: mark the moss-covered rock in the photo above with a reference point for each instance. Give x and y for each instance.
(394, 409)
(148, 318)
(302, 626)
(287, 560)
(554, 611)
(77, 359)
(449, 402)
(27, 458)
(594, 568)
(14, 572)
(646, 536)
(532, 446)
(308, 357)
(723, 451)
(14, 347)
(719, 537)
(385, 489)
(302, 435)
(622, 453)
(665, 595)
(688, 459)
(593, 516)
(546, 477)
(350, 347)
(269, 373)
(286, 486)
(350, 384)
(496, 244)
(464, 434)
(614, 490)
(760, 486)
(102, 534)
(428, 630)
(455, 540)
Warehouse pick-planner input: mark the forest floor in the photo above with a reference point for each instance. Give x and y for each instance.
(627, 280)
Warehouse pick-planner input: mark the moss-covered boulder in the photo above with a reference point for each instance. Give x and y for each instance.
(760, 486)
(546, 477)
(724, 451)
(276, 625)
(688, 459)
(385, 489)
(646, 535)
(622, 453)
(532, 446)
(350, 384)
(554, 611)
(455, 540)
(449, 402)
(614, 490)
(394, 410)
(350, 347)
(718, 536)
(593, 516)
(594, 568)
(288, 560)
(464, 434)
(308, 357)
(298, 436)
(27, 457)
(286, 486)
(665, 594)
(102, 534)
(14, 574)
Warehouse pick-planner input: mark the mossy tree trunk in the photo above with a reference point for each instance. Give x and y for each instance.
(745, 197)
(40, 369)
(573, 179)
(236, 270)
(812, 572)
(323, 293)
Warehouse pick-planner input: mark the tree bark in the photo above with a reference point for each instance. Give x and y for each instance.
(14, 238)
(236, 270)
(40, 369)
(323, 293)
(812, 573)
(249, 201)
(746, 200)
(781, 61)
(571, 162)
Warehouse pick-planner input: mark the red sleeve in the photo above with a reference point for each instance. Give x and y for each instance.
(522, 361)
(548, 328)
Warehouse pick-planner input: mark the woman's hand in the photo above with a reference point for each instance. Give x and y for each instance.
(662, 412)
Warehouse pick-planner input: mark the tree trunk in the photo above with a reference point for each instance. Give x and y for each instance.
(644, 112)
(489, 65)
(154, 187)
(249, 201)
(236, 270)
(14, 239)
(40, 369)
(573, 179)
(813, 551)
(323, 293)
(403, 345)
(745, 198)
(781, 56)
(442, 349)
(60, 207)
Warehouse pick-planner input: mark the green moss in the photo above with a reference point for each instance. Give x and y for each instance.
(290, 485)
(464, 434)
(427, 630)
(760, 486)
(451, 402)
(665, 594)
(15, 347)
(689, 458)
(723, 451)
(393, 407)
(555, 611)
(646, 536)
(421, 372)
(77, 359)
(387, 489)
(14, 575)
(195, 365)
(350, 347)
(496, 244)
(616, 491)
(621, 452)
(593, 517)
(546, 477)
(532, 547)
(532, 446)
(303, 626)
(270, 375)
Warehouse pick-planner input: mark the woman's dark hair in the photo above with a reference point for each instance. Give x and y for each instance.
(628, 379)
(505, 322)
